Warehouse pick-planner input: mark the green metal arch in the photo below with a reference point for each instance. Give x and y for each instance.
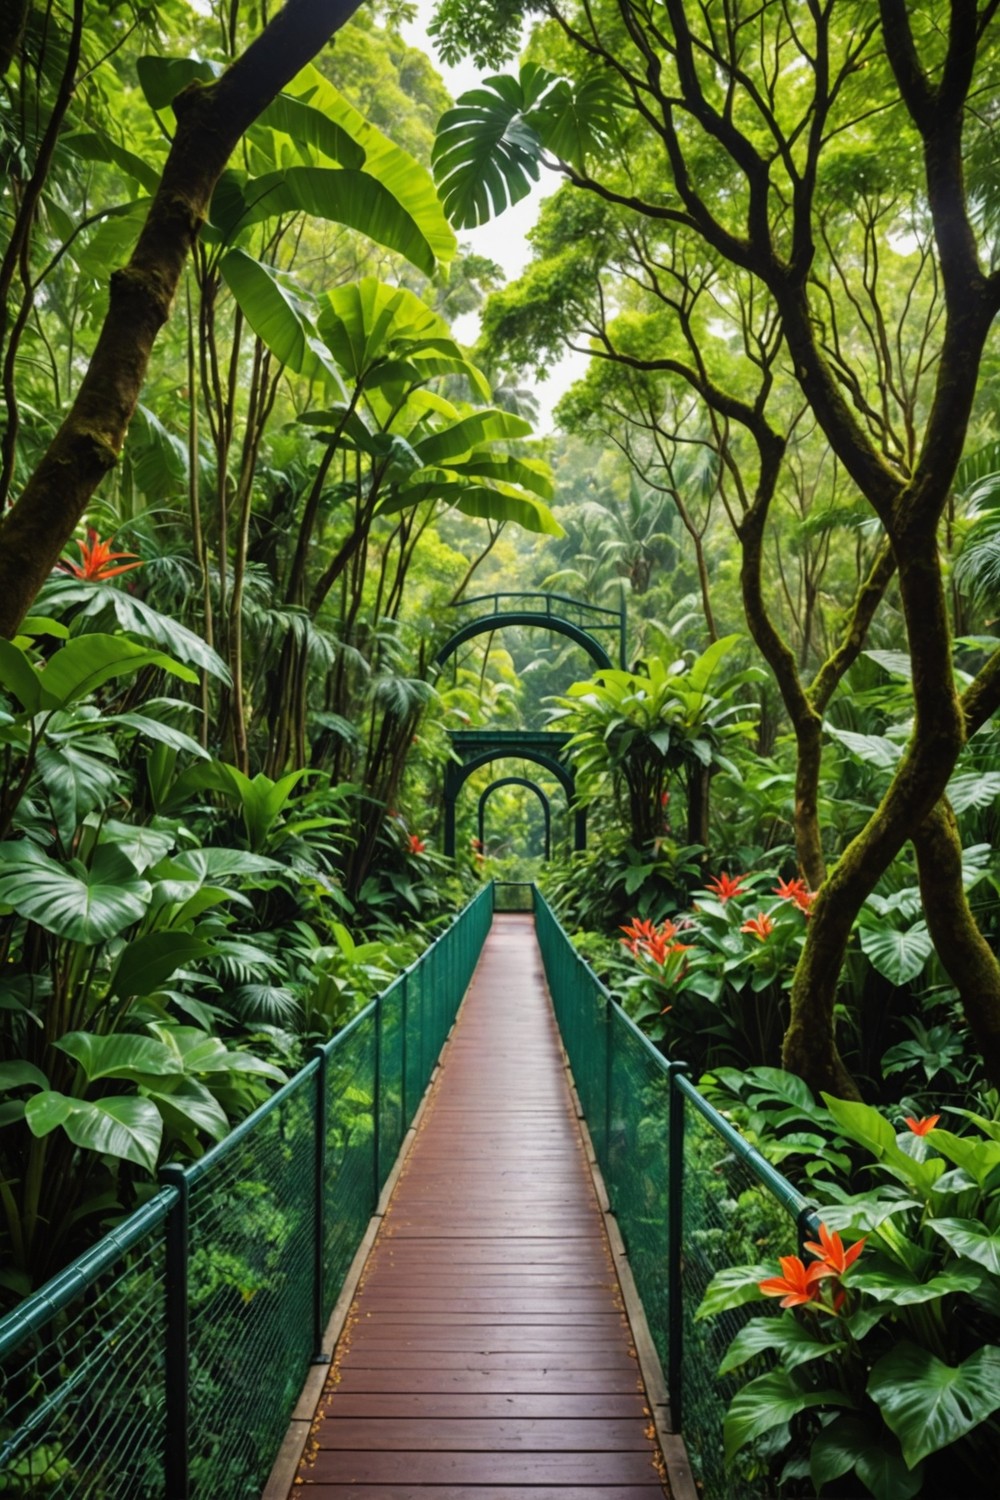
(583, 638)
(455, 777)
(532, 787)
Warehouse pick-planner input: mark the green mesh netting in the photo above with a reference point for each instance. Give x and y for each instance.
(250, 1288)
(82, 1362)
(728, 1215)
(82, 1397)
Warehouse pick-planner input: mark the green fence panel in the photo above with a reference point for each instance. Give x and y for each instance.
(250, 1285)
(82, 1408)
(165, 1362)
(691, 1197)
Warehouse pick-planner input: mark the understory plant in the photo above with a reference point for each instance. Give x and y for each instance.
(882, 1368)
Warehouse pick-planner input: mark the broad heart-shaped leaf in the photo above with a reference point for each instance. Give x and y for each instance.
(849, 1442)
(341, 195)
(20, 1075)
(486, 156)
(970, 1238)
(929, 1404)
(795, 1343)
(733, 1286)
(120, 1055)
(88, 661)
(898, 956)
(128, 1128)
(278, 315)
(68, 899)
(185, 1103)
(864, 1124)
(148, 962)
(767, 1402)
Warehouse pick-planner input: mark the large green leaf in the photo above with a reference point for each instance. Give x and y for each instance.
(486, 155)
(973, 789)
(310, 127)
(163, 734)
(902, 1289)
(732, 1287)
(149, 961)
(767, 1402)
(794, 1342)
(929, 1404)
(849, 1442)
(184, 1103)
(898, 956)
(501, 504)
(87, 662)
(876, 749)
(405, 178)
(342, 196)
(128, 1128)
(70, 900)
(18, 677)
(278, 315)
(137, 617)
(971, 1239)
(162, 78)
(367, 323)
(458, 439)
(120, 1055)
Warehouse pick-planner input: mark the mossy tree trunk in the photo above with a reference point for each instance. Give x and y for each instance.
(210, 121)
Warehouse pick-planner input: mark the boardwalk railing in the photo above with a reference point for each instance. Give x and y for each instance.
(690, 1194)
(165, 1362)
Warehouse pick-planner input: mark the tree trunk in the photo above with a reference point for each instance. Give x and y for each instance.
(961, 947)
(210, 121)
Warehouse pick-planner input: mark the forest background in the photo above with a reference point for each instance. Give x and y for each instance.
(252, 479)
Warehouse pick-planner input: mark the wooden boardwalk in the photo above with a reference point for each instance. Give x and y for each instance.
(487, 1352)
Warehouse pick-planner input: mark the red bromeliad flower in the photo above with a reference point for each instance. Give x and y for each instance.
(761, 926)
(417, 845)
(921, 1127)
(659, 948)
(797, 1283)
(638, 933)
(96, 556)
(833, 1259)
(796, 891)
(724, 886)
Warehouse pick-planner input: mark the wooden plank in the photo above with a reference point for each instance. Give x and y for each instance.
(437, 1380)
(404, 1466)
(425, 1404)
(483, 1492)
(603, 1357)
(484, 1434)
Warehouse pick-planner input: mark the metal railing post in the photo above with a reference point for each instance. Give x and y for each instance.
(319, 1197)
(377, 1106)
(675, 1248)
(404, 990)
(177, 1359)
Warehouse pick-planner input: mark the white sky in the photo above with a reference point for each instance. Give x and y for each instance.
(503, 238)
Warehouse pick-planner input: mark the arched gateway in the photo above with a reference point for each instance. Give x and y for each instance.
(495, 786)
(563, 615)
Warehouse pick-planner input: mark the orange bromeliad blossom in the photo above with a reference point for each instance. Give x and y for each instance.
(833, 1259)
(797, 1283)
(760, 926)
(725, 886)
(96, 555)
(796, 891)
(921, 1127)
(417, 845)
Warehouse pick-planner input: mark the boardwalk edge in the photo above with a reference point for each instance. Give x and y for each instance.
(680, 1479)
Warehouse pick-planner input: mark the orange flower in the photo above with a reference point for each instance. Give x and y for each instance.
(833, 1260)
(724, 886)
(796, 891)
(921, 1127)
(417, 845)
(96, 555)
(796, 1284)
(761, 926)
